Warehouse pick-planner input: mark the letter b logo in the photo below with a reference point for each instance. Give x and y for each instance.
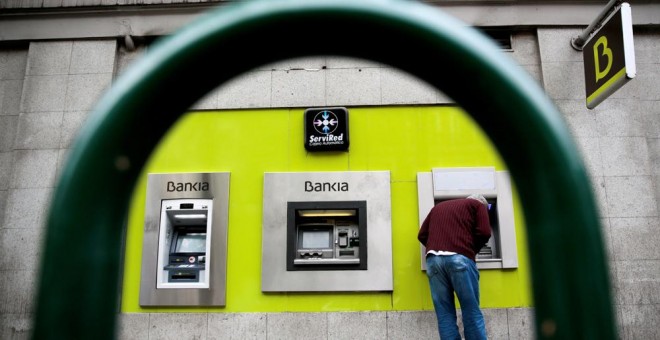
(607, 52)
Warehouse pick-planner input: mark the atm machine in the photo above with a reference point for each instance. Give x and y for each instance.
(185, 240)
(319, 229)
(184, 247)
(326, 235)
(500, 252)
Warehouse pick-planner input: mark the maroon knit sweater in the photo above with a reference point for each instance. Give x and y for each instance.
(459, 226)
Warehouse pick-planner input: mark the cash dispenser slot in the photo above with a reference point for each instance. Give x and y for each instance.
(326, 236)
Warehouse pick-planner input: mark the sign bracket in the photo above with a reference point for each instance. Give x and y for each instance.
(578, 42)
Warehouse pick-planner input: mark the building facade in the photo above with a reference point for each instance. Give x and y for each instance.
(58, 57)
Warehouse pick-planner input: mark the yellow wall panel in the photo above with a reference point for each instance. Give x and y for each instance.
(248, 143)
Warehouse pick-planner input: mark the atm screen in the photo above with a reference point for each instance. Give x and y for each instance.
(191, 243)
(315, 238)
(492, 212)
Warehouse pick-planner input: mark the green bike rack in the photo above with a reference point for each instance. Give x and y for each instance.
(77, 296)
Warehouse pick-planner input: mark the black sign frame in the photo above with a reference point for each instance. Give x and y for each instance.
(326, 129)
(609, 58)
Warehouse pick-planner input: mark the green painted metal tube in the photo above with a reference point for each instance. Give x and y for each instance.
(80, 269)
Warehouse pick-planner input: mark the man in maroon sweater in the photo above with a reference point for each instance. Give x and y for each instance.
(453, 233)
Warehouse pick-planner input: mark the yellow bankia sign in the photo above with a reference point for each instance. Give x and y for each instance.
(609, 57)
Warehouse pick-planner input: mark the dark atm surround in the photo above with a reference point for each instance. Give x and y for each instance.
(293, 220)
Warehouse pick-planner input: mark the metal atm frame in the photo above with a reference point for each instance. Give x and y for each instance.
(195, 195)
(451, 183)
(366, 193)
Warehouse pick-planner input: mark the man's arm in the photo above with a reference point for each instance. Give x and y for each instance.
(423, 235)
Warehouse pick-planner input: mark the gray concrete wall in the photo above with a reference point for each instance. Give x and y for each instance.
(46, 92)
(620, 143)
(48, 88)
(512, 323)
(334, 81)
(88, 3)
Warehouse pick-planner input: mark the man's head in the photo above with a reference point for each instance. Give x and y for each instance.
(479, 198)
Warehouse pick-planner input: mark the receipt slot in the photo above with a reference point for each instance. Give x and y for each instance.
(327, 232)
(184, 252)
(326, 235)
(450, 183)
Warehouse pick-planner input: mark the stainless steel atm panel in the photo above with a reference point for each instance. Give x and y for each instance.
(327, 232)
(450, 183)
(185, 240)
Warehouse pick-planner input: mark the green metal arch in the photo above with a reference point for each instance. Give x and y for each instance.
(80, 268)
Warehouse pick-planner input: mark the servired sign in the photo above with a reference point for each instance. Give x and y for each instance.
(326, 129)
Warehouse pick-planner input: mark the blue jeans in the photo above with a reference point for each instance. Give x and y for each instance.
(459, 274)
